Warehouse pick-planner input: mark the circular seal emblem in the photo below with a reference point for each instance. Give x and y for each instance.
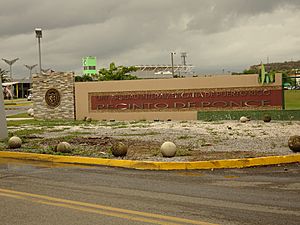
(52, 98)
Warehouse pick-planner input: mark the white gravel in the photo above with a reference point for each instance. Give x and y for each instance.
(222, 136)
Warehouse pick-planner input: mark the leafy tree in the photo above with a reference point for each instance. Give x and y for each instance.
(83, 78)
(287, 79)
(4, 77)
(250, 71)
(117, 73)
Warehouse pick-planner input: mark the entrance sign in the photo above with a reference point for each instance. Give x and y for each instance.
(168, 100)
(175, 99)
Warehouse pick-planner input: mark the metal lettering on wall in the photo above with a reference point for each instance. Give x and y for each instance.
(186, 99)
(52, 98)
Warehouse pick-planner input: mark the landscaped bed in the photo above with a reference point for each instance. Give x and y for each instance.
(195, 140)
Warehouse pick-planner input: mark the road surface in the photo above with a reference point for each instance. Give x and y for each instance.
(45, 193)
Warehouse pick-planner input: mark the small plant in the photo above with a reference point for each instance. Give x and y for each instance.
(141, 134)
(183, 137)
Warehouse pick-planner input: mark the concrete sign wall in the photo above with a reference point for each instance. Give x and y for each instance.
(3, 125)
(177, 99)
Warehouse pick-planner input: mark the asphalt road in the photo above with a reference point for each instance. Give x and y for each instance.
(42, 193)
(13, 110)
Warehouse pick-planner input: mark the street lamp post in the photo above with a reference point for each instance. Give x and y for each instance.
(172, 62)
(10, 63)
(46, 70)
(30, 72)
(38, 34)
(30, 69)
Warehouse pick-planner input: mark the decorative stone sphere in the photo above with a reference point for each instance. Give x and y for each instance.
(64, 147)
(119, 149)
(294, 143)
(168, 149)
(244, 119)
(14, 142)
(30, 112)
(88, 119)
(267, 118)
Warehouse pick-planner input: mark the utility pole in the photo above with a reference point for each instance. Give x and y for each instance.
(184, 56)
(172, 62)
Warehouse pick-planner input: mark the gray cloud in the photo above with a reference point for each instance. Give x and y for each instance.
(220, 15)
(217, 34)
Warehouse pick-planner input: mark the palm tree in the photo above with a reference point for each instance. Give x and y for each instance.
(3, 75)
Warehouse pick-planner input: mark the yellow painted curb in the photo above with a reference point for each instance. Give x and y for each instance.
(149, 165)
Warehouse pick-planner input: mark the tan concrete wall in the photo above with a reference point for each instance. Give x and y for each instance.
(82, 89)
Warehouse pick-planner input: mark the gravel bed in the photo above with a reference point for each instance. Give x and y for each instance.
(195, 140)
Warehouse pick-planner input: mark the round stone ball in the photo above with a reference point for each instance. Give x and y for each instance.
(88, 119)
(64, 147)
(119, 149)
(244, 119)
(267, 118)
(294, 143)
(14, 142)
(30, 112)
(168, 149)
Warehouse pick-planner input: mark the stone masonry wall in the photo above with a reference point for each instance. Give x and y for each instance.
(62, 96)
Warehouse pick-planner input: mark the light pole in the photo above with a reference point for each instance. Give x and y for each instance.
(30, 69)
(46, 70)
(10, 63)
(30, 72)
(38, 35)
(172, 62)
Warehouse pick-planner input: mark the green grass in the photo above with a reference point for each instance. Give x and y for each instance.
(292, 99)
(26, 132)
(20, 115)
(48, 123)
(141, 134)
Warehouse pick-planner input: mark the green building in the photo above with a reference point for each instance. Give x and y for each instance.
(89, 65)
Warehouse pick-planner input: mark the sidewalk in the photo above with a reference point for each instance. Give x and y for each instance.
(12, 119)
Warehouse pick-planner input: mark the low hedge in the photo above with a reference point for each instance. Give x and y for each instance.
(253, 114)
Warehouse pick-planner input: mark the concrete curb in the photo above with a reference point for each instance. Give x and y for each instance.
(149, 165)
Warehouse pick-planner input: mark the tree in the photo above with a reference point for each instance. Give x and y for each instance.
(286, 79)
(250, 71)
(83, 78)
(117, 73)
(4, 77)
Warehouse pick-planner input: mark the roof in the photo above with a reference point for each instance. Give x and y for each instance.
(9, 83)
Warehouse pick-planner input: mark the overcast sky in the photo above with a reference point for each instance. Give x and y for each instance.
(216, 34)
